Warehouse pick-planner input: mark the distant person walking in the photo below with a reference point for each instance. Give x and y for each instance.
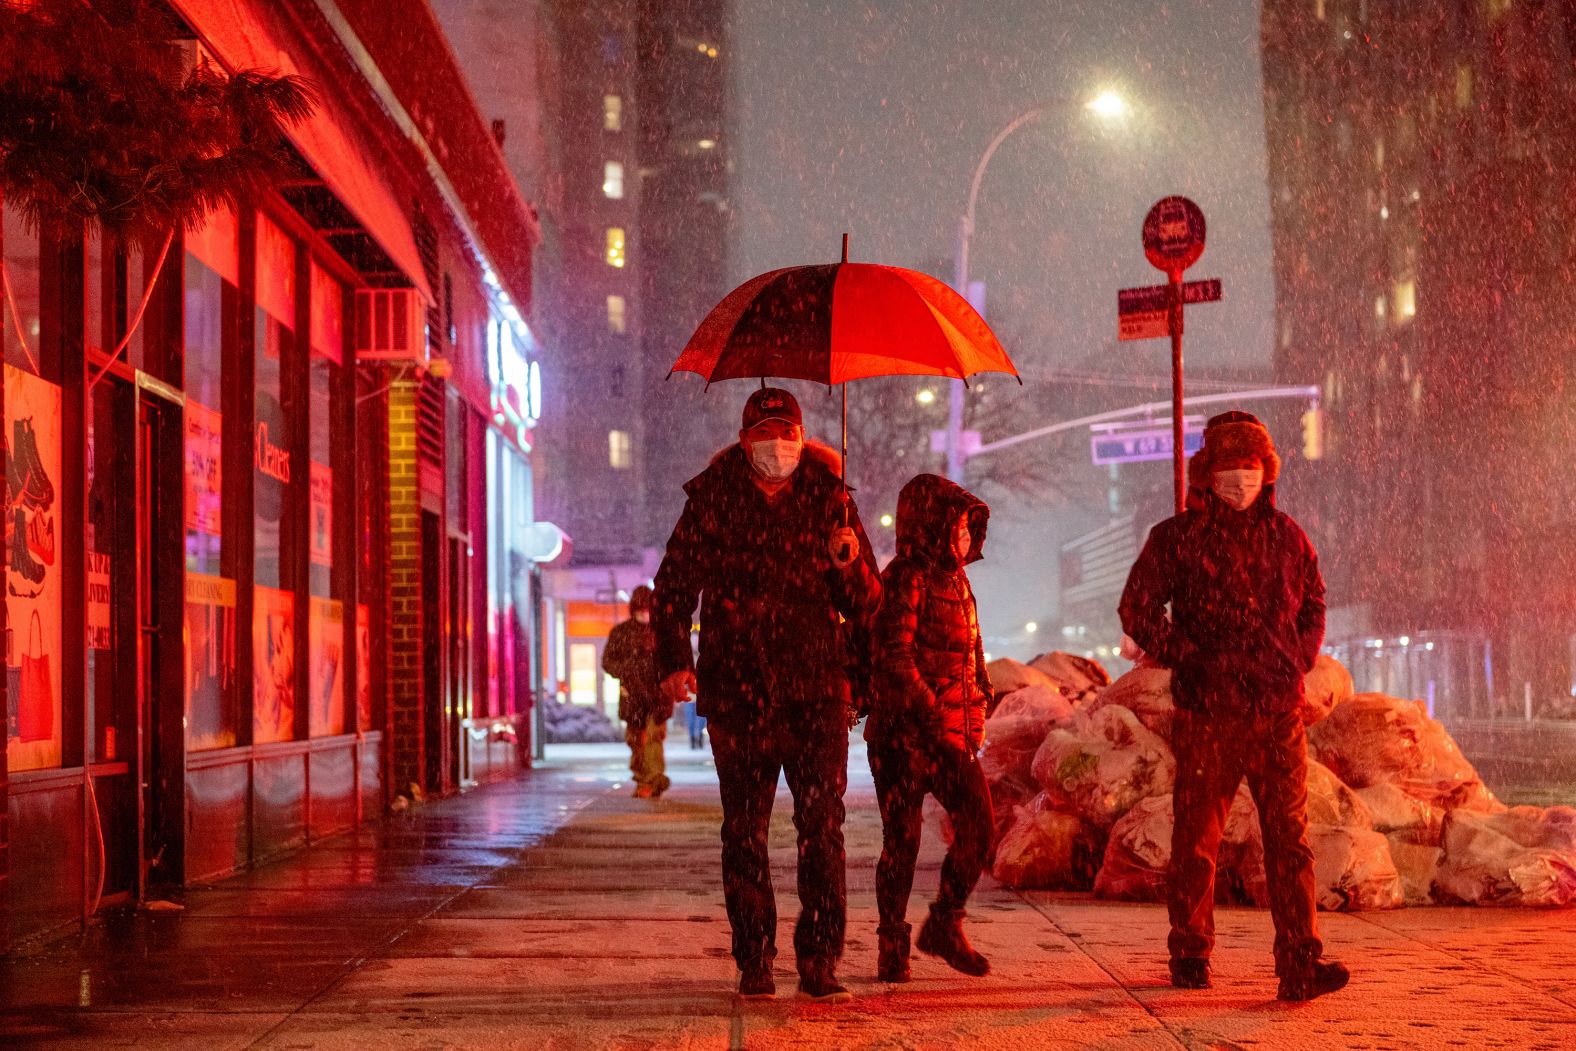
(772, 549)
(1246, 623)
(928, 721)
(630, 657)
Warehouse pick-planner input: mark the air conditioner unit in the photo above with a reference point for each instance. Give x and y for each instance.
(391, 326)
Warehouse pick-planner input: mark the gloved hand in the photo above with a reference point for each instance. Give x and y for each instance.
(843, 546)
(678, 687)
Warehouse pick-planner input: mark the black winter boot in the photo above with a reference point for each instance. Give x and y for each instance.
(942, 936)
(1190, 972)
(1306, 979)
(892, 959)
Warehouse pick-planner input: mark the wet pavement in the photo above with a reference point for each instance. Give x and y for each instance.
(556, 912)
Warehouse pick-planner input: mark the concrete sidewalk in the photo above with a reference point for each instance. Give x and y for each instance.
(556, 912)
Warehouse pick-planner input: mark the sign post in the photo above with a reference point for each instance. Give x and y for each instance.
(1173, 237)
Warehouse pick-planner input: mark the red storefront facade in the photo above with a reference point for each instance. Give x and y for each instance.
(264, 568)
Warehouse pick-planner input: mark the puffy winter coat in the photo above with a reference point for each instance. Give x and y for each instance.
(630, 657)
(932, 687)
(772, 604)
(1247, 605)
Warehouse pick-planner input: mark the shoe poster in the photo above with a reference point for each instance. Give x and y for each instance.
(326, 628)
(273, 665)
(33, 588)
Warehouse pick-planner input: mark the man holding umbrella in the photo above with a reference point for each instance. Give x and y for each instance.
(772, 549)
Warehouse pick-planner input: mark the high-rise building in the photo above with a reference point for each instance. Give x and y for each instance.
(1420, 191)
(627, 100)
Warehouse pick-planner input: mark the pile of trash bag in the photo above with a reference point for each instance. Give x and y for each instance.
(577, 724)
(1081, 773)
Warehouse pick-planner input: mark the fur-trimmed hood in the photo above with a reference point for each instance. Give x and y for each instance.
(819, 461)
(1233, 435)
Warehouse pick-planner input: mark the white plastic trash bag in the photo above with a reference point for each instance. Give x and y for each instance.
(1045, 849)
(1331, 803)
(1417, 863)
(1374, 739)
(1354, 870)
(1138, 853)
(1327, 685)
(1523, 856)
(1146, 692)
(1008, 676)
(1079, 677)
(1014, 733)
(1102, 765)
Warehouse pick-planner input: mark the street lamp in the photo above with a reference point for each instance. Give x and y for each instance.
(1106, 105)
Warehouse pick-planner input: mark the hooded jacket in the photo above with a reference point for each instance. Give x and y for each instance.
(930, 660)
(1247, 604)
(772, 604)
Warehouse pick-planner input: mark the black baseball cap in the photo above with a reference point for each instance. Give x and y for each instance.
(772, 403)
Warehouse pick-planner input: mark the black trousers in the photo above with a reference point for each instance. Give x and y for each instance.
(904, 773)
(814, 760)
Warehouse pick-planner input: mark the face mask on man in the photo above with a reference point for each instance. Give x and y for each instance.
(1239, 488)
(776, 458)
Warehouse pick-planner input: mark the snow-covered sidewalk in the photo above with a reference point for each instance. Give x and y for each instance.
(557, 912)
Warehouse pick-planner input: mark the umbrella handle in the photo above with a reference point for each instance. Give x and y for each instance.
(845, 553)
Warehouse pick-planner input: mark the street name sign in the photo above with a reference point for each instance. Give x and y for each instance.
(1141, 312)
(1140, 446)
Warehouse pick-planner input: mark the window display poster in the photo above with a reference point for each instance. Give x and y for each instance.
(204, 429)
(99, 635)
(33, 587)
(210, 662)
(322, 521)
(273, 665)
(364, 666)
(326, 642)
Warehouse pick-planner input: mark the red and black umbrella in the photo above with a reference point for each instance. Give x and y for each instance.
(842, 321)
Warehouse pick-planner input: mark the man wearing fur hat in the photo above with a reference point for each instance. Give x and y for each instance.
(1246, 623)
(772, 549)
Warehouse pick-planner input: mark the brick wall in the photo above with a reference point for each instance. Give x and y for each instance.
(406, 727)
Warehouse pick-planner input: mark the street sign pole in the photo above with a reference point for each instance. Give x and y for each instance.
(1173, 236)
(1178, 456)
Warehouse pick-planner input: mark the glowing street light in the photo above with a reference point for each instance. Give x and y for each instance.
(926, 396)
(1031, 627)
(1108, 104)
(886, 521)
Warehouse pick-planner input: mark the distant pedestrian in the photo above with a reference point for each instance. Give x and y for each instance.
(1246, 623)
(772, 548)
(630, 657)
(928, 721)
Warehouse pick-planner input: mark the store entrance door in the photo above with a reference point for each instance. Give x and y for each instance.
(161, 741)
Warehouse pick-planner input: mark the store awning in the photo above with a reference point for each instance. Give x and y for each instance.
(334, 141)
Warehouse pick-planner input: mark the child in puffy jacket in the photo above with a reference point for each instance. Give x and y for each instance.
(927, 723)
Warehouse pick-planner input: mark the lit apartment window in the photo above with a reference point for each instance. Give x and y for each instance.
(612, 113)
(615, 246)
(1405, 299)
(1463, 86)
(618, 456)
(615, 315)
(613, 180)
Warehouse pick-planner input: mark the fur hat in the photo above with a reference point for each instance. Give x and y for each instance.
(1233, 436)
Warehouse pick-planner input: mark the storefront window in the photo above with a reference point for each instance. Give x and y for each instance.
(210, 298)
(32, 513)
(326, 614)
(110, 582)
(273, 609)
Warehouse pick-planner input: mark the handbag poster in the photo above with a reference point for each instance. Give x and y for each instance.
(33, 588)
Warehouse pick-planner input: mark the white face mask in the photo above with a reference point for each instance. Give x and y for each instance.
(777, 458)
(962, 539)
(643, 617)
(1238, 489)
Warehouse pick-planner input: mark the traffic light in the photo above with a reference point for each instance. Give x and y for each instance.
(1313, 434)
